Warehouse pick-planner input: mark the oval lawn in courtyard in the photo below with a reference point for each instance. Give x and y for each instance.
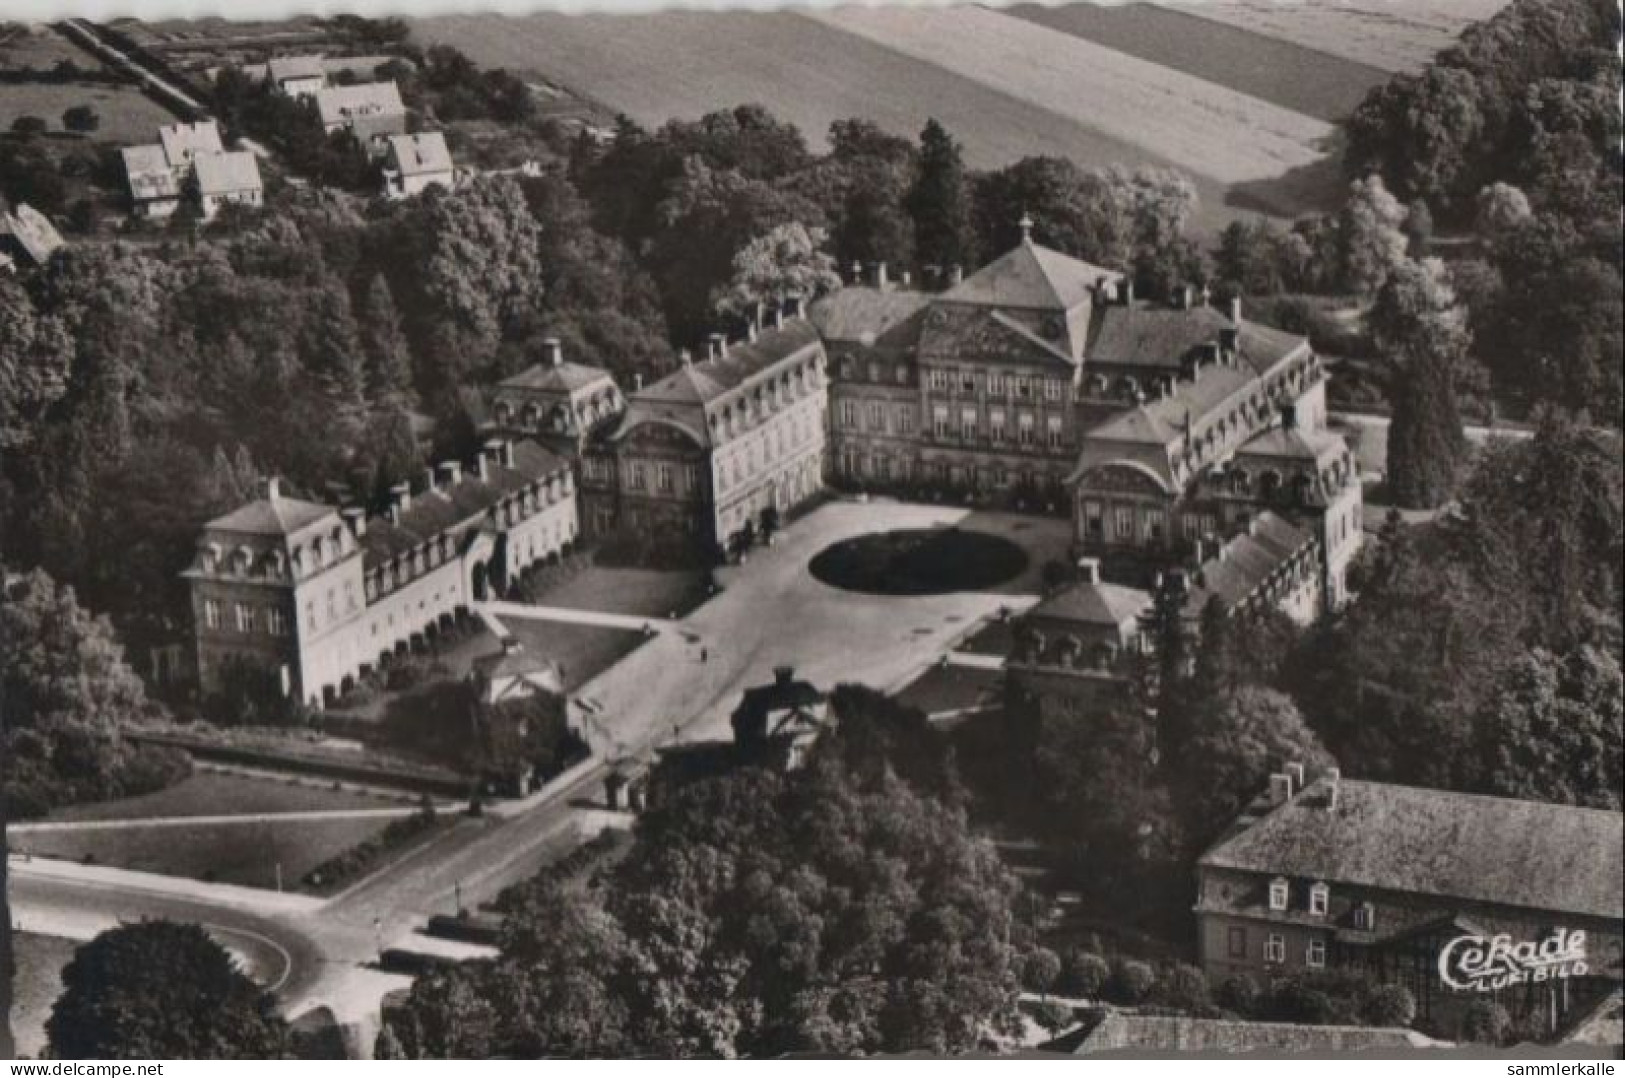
(919, 561)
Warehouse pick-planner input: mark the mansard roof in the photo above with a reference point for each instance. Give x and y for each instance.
(1096, 603)
(1525, 854)
(1032, 277)
(1245, 561)
(450, 505)
(562, 377)
(870, 317)
(278, 515)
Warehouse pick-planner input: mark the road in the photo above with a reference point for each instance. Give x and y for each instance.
(88, 35)
(678, 686)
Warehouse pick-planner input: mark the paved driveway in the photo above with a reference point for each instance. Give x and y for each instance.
(772, 612)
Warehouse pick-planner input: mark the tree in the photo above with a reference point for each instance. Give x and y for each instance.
(1084, 974)
(160, 990)
(36, 358)
(1552, 730)
(1040, 970)
(874, 923)
(1501, 207)
(939, 203)
(1237, 740)
(1416, 319)
(384, 346)
(773, 269)
(1371, 236)
(29, 126)
(81, 119)
(1486, 1022)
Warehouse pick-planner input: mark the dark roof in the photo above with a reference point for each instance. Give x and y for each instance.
(870, 317)
(1033, 278)
(1094, 604)
(1295, 443)
(450, 505)
(561, 377)
(956, 331)
(784, 694)
(1526, 854)
(281, 515)
(1121, 1032)
(1160, 337)
(515, 662)
(1246, 561)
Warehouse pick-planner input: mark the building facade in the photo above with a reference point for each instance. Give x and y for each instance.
(317, 596)
(1404, 883)
(717, 449)
(415, 163)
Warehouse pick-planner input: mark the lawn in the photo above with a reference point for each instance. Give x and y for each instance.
(582, 651)
(654, 593)
(1393, 37)
(39, 981)
(919, 561)
(1284, 73)
(241, 853)
(209, 793)
(127, 115)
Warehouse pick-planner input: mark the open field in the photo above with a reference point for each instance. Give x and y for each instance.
(244, 853)
(1200, 126)
(1386, 34)
(38, 47)
(39, 981)
(683, 64)
(214, 794)
(1292, 76)
(127, 115)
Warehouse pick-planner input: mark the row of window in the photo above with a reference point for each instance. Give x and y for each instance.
(884, 468)
(968, 428)
(1314, 951)
(876, 418)
(665, 476)
(246, 618)
(764, 452)
(1319, 896)
(996, 383)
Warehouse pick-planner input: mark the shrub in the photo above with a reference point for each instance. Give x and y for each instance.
(1486, 1022)
(1239, 993)
(1131, 981)
(1053, 1016)
(1084, 973)
(1389, 1005)
(150, 768)
(81, 118)
(28, 126)
(1040, 970)
(346, 866)
(1184, 988)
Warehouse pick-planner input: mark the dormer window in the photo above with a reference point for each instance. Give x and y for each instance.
(1365, 917)
(1319, 898)
(1279, 892)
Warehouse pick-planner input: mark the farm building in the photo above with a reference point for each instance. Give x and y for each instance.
(414, 163)
(371, 111)
(228, 179)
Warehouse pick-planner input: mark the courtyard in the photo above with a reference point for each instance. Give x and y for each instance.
(772, 611)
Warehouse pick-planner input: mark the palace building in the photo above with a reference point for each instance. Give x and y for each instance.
(316, 596)
(1178, 434)
(718, 448)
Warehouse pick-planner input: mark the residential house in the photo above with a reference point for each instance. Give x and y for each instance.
(228, 179)
(184, 143)
(155, 189)
(414, 163)
(28, 237)
(371, 111)
(297, 76)
(1415, 886)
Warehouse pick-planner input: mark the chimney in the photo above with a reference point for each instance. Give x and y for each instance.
(778, 317)
(905, 280)
(452, 472)
(552, 351)
(882, 281)
(1334, 779)
(510, 645)
(1295, 770)
(1289, 416)
(783, 675)
(857, 272)
(482, 466)
(1185, 296)
(956, 274)
(800, 305)
(637, 381)
(1089, 570)
(1235, 310)
(428, 479)
(716, 346)
(750, 331)
(1128, 292)
(273, 488)
(356, 518)
(400, 500)
(685, 357)
(1280, 788)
